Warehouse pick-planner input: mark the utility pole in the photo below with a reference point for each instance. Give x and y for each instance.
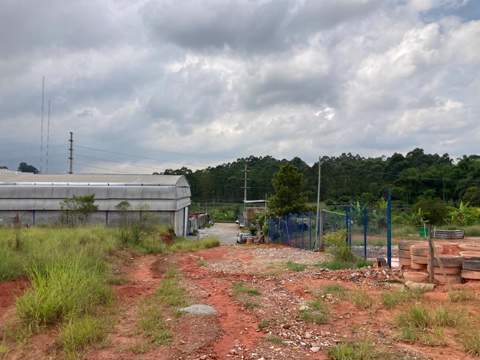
(245, 185)
(70, 152)
(41, 124)
(319, 237)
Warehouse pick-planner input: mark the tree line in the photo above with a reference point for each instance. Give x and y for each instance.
(346, 178)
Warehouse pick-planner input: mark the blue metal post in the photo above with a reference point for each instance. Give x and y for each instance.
(347, 225)
(389, 228)
(365, 232)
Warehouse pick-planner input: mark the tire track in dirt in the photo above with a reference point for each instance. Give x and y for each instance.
(238, 327)
(143, 279)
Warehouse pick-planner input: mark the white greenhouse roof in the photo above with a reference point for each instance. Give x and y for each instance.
(19, 178)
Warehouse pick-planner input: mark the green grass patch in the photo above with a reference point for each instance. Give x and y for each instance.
(336, 290)
(274, 339)
(241, 288)
(293, 266)
(456, 296)
(65, 288)
(395, 297)
(418, 324)
(316, 312)
(358, 350)
(152, 323)
(79, 333)
(3, 350)
(184, 245)
(263, 324)
(470, 339)
(361, 299)
(170, 292)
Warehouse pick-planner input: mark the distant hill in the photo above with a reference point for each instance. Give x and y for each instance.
(345, 178)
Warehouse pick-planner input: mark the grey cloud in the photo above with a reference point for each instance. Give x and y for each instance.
(27, 26)
(258, 26)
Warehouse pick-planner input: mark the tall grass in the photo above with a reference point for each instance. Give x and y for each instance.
(64, 288)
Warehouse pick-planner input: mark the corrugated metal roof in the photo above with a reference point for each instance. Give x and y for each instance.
(10, 177)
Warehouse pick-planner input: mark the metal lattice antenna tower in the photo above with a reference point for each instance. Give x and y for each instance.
(48, 131)
(41, 124)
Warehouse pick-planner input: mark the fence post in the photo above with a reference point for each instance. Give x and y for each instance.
(348, 226)
(365, 232)
(322, 244)
(303, 231)
(389, 228)
(310, 229)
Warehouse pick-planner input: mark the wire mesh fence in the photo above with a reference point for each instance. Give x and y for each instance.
(367, 230)
(296, 230)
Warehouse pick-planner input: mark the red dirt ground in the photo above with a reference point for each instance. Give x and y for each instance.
(209, 275)
(9, 290)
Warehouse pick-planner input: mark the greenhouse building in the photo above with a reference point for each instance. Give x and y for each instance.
(35, 199)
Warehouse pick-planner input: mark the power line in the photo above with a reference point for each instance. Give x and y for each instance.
(145, 168)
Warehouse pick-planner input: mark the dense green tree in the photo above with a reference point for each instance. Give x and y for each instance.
(472, 196)
(289, 196)
(345, 178)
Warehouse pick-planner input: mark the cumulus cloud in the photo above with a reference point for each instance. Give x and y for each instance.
(151, 84)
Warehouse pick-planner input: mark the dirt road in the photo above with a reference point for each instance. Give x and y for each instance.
(264, 309)
(225, 232)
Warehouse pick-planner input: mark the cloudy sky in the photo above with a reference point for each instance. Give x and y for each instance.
(152, 84)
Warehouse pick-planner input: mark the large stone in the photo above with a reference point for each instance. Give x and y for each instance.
(199, 309)
(419, 286)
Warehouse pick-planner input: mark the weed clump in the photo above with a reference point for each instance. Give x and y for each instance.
(153, 325)
(461, 295)
(362, 300)
(293, 266)
(343, 257)
(337, 290)
(170, 292)
(393, 298)
(65, 288)
(78, 333)
(359, 350)
(240, 288)
(315, 312)
(418, 324)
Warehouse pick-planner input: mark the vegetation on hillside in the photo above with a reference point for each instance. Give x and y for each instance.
(347, 178)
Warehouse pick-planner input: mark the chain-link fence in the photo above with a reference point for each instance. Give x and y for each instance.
(368, 230)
